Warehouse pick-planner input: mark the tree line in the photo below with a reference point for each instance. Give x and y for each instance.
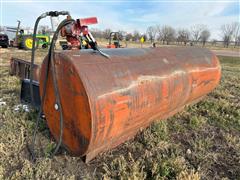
(166, 34)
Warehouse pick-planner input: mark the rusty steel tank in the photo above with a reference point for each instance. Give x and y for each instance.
(107, 101)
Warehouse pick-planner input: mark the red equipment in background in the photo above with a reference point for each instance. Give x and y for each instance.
(114, 40)
(77, 33)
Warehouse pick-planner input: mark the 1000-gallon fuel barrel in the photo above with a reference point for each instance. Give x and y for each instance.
(107, 101)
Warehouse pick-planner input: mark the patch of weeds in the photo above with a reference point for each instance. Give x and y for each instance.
(233, 142)
(177, 124)
(229, 60)
(164, 163)
(196, 122)
(49, 148)
(160, 129)
(202, 145)
(120, 168)
(42, 125)
(188, 175)
(144, 138)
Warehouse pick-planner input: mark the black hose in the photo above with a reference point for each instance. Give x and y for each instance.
(50, 61)
(52, 14)
(53, 70)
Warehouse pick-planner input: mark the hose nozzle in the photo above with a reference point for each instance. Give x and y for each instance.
(54, 13)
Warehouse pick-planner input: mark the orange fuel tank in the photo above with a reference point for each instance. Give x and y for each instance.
(107, 101)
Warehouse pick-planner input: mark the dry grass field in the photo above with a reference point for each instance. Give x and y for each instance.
(201, 142)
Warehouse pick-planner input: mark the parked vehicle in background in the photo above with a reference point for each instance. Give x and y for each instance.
(24, 41)
(4, 42)
(114, 40)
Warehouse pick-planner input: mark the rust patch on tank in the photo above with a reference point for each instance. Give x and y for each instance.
(106, 102)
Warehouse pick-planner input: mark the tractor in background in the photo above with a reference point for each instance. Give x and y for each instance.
(24, 41)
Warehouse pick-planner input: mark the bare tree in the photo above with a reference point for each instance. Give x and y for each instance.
(96, 32)
(196, 31)
(122, 34)
(151, 32)
(227, 32)
(166, 34)
(44, 29)
(129, 37)
(236, 32)
(205, 34)
(183, 36)
(214, 42)
(136, 36)
(238, 41)
(106, 33)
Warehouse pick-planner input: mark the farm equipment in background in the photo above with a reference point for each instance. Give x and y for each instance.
(4, 41)
(74, 40)
(114, 40)
(94, 100)
(24, 41)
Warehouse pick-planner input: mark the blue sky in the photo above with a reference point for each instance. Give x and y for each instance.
(128, 15)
